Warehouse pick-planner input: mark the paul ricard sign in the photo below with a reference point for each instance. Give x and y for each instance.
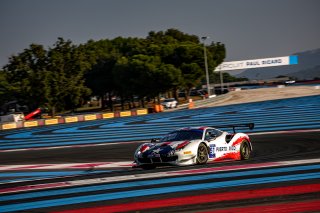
(257, 63)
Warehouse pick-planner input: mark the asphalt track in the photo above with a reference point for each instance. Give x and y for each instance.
(283, 174)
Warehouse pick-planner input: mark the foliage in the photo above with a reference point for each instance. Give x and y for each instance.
(64, 76)
(5, 88)
(48, 78)
(64, 83)
(26, 73)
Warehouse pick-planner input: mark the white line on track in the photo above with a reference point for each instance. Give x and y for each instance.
(285, 132)
(94, 165)
(73, 146)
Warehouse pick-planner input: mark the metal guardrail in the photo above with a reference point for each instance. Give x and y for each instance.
(208, 101)
(201, 103)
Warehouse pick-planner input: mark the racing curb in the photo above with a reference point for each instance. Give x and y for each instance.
(72, 119)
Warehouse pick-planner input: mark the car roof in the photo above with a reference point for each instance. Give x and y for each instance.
(195, 128)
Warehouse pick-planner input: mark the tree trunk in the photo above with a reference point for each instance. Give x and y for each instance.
(102, 101)
(110, 102)
(53, 111)
(133, 104)
(186, 94)
(122, 103)
(175, 93)
(142, 103)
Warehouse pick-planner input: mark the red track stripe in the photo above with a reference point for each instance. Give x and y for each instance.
(225, 168)
(290, 207)
(88, 165)
(198, 199)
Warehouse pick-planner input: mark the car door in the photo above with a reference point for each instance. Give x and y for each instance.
(213, 137)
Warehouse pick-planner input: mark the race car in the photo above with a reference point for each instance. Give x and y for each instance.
(194, 145)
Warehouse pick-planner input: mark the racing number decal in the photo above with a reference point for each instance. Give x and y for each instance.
(212, 151)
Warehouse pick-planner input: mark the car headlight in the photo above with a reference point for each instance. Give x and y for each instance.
(171, 153)
(142, 149)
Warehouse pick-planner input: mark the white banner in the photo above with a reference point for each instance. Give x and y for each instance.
(257, 63)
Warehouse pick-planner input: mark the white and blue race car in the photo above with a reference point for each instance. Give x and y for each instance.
(194, 145)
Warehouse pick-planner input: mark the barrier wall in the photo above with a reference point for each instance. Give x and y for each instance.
(71, 119)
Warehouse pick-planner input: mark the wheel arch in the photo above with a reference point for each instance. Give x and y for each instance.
(207, 149)
(206, 144)
(245, 156)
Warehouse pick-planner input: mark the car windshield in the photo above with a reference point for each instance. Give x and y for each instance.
(181, 135)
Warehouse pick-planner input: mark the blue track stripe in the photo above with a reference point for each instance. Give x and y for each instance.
(142, 127)
(130, 132)
(146, 136)
(142, 137)
(269, 116)
(294, 115)
(155, 182)
(154, 191)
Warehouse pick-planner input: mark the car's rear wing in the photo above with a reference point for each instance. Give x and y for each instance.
(233, 126)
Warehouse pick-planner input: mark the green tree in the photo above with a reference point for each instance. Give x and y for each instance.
(216, 53)
(26, 73)
(152, 77)
(5, 88)
(144, 76)
(61, 76)
(99, 78)
(185, 52)
(65, 87)
(192, 75)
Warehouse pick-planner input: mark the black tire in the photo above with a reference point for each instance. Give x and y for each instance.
(148, 166)
(202, 155)
(245, 150)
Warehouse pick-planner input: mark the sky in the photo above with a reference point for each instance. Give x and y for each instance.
(250, 29)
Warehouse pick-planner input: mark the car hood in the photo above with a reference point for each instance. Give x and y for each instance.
(166, 147)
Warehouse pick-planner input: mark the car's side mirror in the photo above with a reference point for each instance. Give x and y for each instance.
(155, 140)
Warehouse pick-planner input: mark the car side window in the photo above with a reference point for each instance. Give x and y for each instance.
(212, 133)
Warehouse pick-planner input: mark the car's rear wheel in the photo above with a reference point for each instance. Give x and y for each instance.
(245, 150)
(202, 156)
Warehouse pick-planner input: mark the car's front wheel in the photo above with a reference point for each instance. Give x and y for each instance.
(245, 150)
(202, 156)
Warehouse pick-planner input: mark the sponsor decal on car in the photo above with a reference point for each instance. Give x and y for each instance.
(232, 148)
(222, 149)
(225, 148)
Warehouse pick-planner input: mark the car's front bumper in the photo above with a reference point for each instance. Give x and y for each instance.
(173, 160)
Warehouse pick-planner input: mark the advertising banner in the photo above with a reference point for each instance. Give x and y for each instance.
(257, 63)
